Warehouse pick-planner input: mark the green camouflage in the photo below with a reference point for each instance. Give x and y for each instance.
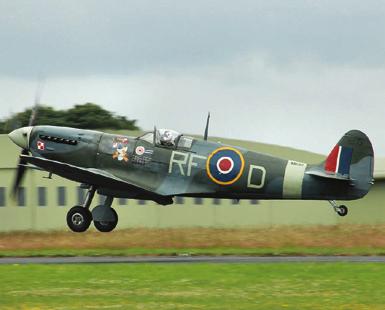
(144, 168)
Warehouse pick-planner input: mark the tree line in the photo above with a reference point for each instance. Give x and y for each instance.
(85, 116)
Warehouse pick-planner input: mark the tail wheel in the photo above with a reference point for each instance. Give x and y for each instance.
(104, 226)
(79, 219)
(342, 210)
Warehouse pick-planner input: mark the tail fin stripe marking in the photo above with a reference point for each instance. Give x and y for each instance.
(339, 160)
(331, 161)
(345, 160)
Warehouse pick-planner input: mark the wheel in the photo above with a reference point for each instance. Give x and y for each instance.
(104, 226)
(79, 219)
(342, 210)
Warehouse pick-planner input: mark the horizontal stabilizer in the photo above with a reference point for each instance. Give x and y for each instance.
(323, 174)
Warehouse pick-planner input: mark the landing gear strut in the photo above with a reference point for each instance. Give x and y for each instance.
(105, 218)
(341, 210)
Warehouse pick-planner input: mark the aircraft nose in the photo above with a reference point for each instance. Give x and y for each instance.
(21, 136)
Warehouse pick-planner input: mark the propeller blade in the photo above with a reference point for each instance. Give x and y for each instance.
(21, 167)
(19, 173)
(39, 91)
(32, 118)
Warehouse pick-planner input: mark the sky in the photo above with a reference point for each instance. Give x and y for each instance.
(295, 73)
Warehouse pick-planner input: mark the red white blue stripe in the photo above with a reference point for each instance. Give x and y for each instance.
(339, 160)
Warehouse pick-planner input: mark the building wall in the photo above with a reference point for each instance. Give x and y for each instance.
(42, 210)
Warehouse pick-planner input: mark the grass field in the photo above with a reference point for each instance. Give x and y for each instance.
(283, 240)
(194, 286)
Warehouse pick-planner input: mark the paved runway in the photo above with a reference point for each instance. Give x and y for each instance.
(188, 259)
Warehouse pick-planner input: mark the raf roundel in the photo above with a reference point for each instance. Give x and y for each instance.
(140, 150)
(40, 145)
(225, 165)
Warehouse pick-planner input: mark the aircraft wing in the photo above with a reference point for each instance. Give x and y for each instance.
(91, 176)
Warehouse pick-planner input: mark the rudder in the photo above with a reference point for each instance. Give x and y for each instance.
(352, 158)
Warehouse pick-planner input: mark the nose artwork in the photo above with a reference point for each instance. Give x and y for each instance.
(120, 146)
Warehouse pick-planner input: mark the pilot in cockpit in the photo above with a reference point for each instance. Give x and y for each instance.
(167, 138)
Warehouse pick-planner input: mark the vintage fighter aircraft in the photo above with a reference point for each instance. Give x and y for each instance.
(162, 164)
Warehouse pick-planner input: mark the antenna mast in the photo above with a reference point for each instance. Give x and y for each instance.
(207, 128)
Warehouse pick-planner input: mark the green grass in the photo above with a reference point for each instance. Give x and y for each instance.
(194, 286)
(285, 251)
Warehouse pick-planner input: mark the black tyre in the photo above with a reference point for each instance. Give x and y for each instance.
(79, 219)
(104, 226)
(342, 210)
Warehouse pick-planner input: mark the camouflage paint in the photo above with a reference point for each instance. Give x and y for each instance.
(166, 171)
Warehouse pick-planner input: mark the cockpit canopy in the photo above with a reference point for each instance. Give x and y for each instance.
(167, 138)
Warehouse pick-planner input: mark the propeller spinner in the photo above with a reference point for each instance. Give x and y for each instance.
(21, 138)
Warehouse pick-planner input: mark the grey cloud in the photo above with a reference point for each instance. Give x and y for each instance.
(308, 107)
(130, 37)
(296, 73)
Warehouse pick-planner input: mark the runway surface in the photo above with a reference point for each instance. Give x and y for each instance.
(188, 259)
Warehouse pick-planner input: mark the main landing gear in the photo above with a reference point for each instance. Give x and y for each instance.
(105, 218)
(341, 210)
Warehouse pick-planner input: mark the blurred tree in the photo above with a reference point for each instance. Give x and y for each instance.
(86, 116)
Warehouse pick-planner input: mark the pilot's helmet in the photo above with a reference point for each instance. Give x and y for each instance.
(166, 137)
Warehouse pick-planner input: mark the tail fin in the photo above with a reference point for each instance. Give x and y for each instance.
(351, 157)
(350, 160)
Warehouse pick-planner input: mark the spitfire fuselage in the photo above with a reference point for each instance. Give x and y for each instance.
(189, 167)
